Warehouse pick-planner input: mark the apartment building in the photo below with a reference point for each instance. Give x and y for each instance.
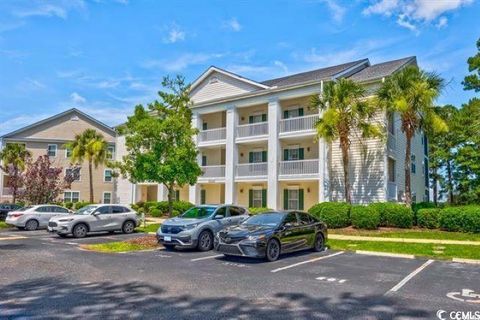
(258, 146)
(49, 136)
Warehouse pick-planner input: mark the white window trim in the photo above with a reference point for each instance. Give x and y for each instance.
(113, 152)
(66, 151)
(103, 197)
(71, 198)
(79, 175)
(104, 175)
(48, 150)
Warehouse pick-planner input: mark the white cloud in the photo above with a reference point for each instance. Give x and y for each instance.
(233, 24)
(281, 65)
(77, 99)
(57, 9)
(411, 13)
(35, 83)
(20, 121)
(335, 9)
(181, 62)
(175, 34)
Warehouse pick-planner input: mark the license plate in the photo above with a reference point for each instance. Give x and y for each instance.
(167, 238)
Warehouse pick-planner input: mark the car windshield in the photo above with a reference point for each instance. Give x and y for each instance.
(198, 212)
(25, 208)
(265, 219)
(86, 210)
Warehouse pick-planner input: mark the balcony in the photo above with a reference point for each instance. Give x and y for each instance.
(391, 143)
(392, 191)
(213, 171)
(257, 169)
(299, 167)
(252, 130)
(212, 136)
(305, 123)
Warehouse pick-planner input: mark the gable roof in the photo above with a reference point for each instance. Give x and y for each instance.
(381, 70)
(213, 69)
(318, 74)
(72, 110)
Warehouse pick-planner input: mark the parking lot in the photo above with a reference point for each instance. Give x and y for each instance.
(44, 276)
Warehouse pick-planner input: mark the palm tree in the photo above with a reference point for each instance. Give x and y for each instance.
(14, 157)
(346, 112)
(411, 93)
(89, 146)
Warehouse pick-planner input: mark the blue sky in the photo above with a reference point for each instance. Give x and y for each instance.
(106, 56)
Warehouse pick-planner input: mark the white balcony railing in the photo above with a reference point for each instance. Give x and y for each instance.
(213, 171)
(252, 129)
(392, 191)
(299, 167)
(212, 134)
(391, 142)
(298, 123)
(252, 169)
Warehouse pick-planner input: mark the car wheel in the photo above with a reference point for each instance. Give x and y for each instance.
(169, 247)
(31, 225)
(319, 244)
(273, 250)
(128, 227)
(80, 231)
(205, 241)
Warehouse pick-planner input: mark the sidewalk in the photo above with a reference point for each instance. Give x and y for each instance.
(406, 240)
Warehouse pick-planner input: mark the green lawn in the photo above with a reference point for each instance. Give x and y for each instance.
(408, 233)
(116, 247)
(3, 225)
(442, 251)
(149, 228)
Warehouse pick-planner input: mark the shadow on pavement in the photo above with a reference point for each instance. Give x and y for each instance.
(54, 298)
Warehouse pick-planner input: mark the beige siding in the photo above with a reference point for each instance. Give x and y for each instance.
(215, 156)
(214, 120)
(309, 145)
(243, 189)
(303, 102)
(310, 192)
(124, 187)
(224, 86)
(245, 149)
(215, 193)
(245, 113)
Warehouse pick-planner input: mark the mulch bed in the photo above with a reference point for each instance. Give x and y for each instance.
(147, 241)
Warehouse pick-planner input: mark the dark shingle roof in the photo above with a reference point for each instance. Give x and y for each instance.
(318, 74)
(381, 70)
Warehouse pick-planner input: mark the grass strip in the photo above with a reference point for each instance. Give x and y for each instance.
(3, 225)
(408, 233)
(142, 243)
(428, 250)
(149, 228)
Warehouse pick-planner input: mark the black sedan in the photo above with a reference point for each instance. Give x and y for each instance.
(269, 234)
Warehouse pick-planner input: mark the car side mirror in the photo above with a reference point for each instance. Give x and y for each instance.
(95, 213)
(219, 216)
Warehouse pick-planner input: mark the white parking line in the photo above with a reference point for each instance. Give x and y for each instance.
(13, 238)
(209, 257)
(410, 276)
(308, 261)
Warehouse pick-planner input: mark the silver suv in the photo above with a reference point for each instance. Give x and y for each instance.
(95, 218)
(198, 225)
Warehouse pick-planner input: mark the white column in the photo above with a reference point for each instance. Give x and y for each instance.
(322, 163)
(273, 153)
(231, 155)
(194, 191)
(162, 192)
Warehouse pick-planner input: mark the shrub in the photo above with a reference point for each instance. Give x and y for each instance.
(254, 211)
(422, 205)
(162, 206)
(428, 218)
(364, 217)
(379, 207)
(81, 204)
(155, 212)
(68, 205)
(334, 214)
(397, 215)
(463, 219)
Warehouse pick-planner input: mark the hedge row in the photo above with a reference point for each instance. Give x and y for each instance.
(254, 211)
(158, 209)
(461, 219)
(341, 215)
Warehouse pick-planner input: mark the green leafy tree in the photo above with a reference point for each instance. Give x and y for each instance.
(14, 157)
(159, 140)
(346, 112)
(89, 146)
(411, 93)
(472, 81)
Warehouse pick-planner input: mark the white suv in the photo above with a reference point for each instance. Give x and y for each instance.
(95, 218)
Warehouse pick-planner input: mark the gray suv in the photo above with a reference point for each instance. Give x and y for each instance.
(95, 218)
(198, 225)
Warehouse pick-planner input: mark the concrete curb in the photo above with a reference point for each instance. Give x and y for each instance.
(402, 240)
(470, 261)
(385, 254)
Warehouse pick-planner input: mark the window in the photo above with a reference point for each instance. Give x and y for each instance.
(43, 209)
(107, 197)
(74, 172)
(257, 198)
(71, 196)
(293, 113)
(110, 152)
(291, 219)
(104, 210)
(60, 210)
(52, 150)
(235, 211)
(257, 156)
(204, 126)
(204, 161)
(391, 170)
(304, 218)
(176, 195)
(203, 196)
(107, 175)
(221, 211)
(118, 209)
(413, 164)
(68, 152)
(293, 199)
(391, 123)
(257, 118)
(293, 153)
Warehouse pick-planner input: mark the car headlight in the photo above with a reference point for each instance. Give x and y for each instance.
(65, 220)
(256, 238)
(191, 226)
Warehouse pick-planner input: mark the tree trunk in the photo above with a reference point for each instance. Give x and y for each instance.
(408, 162)
(90, 176)
(346, 181)
(450, 182)
(170, 200)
